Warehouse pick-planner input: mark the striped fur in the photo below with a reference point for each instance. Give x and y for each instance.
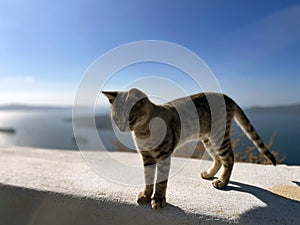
(133, 111)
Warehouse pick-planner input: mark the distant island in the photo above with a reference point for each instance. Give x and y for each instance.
(295, 109)
(101, 121)
(7, 130)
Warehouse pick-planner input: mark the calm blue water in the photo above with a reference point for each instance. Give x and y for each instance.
(45, 129)
(48, 129)
(287, 130)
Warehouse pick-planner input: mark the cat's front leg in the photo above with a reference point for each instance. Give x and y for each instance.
(159, 198)
(149, 162)
(144, 197)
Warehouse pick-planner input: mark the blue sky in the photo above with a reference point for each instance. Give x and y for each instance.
(253, 47)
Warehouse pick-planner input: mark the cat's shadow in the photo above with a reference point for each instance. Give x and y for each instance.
(278, 209)
(287, 209)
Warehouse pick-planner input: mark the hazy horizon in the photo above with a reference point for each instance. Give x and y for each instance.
(108, 105)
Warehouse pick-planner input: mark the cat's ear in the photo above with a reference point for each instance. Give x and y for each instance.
(137, 94)
(111, 95)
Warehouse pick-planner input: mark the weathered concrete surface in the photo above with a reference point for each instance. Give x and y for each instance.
(40, 186)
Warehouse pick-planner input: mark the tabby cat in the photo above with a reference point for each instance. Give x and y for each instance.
(133, 111)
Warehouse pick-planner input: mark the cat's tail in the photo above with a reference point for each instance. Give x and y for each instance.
(249, 130)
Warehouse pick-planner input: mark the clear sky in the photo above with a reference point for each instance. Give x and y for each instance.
(253, 47)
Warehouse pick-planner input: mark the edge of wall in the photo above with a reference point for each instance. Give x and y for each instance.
(39, 186)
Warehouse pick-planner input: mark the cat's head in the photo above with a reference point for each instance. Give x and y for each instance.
(128, 109)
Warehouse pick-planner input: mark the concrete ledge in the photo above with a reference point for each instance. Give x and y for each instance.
(39, 186)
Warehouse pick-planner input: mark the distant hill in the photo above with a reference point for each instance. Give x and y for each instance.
(102, 121)
(31, 107)
(295, 109)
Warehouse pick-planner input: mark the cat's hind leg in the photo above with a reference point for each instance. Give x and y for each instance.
(215, 166)
(227, 159)
(212, 170)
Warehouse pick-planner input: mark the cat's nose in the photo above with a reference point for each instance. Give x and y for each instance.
(123, 128)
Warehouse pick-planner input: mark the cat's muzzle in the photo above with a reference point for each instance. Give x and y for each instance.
(124, 128)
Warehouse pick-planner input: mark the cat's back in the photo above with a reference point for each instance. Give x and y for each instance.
(201, 106)
(201, 100)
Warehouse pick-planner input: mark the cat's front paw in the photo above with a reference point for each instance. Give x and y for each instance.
(158, 203)
(219, 184)
(143, 198)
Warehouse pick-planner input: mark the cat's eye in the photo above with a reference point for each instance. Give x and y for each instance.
(131, 117)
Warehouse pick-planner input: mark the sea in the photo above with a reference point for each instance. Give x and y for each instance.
(53, 129)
